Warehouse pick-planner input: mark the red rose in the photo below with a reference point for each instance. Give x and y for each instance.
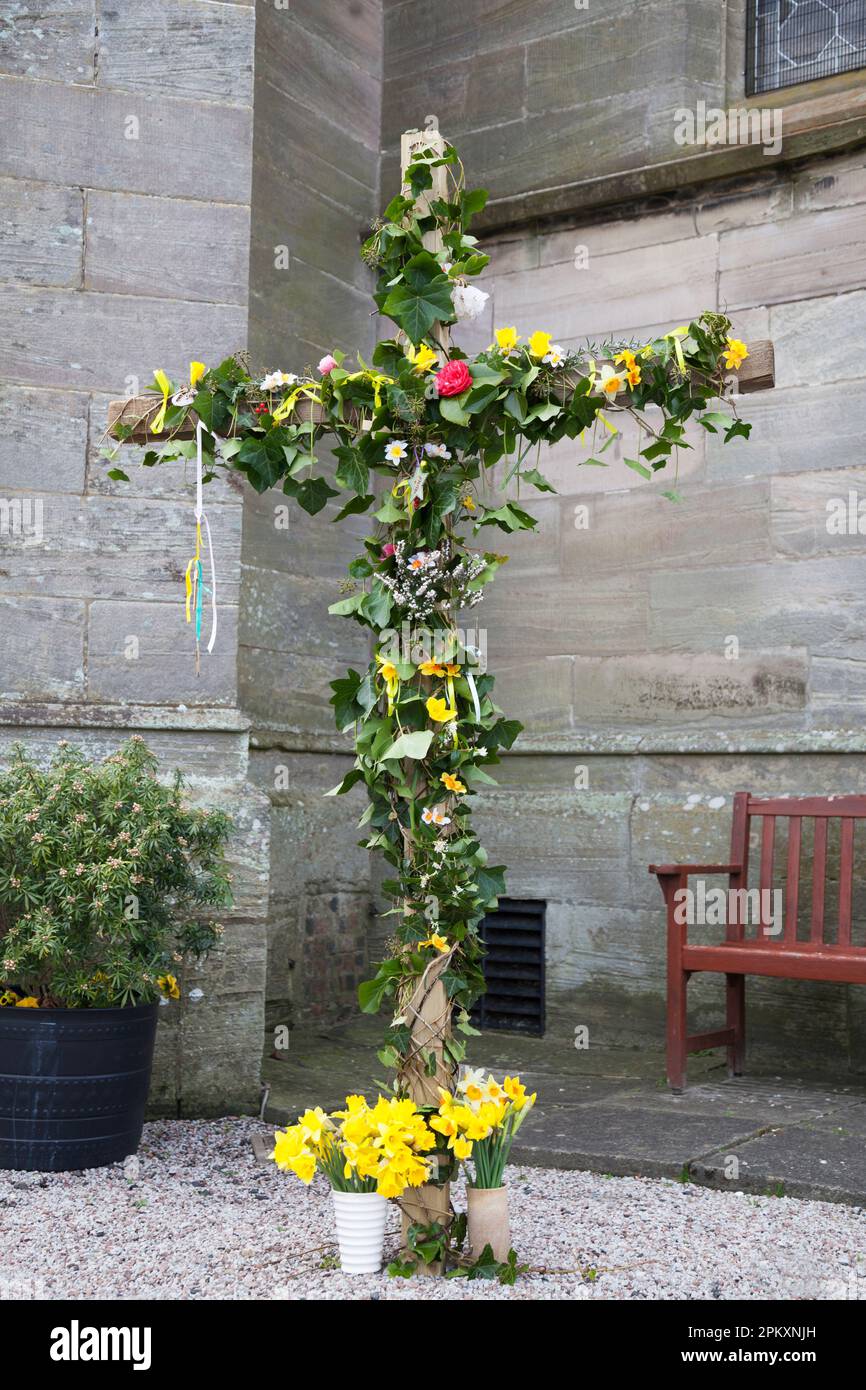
(388, 550)
(453, 379)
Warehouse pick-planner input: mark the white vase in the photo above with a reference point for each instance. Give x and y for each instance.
(488, 1224)
(360, 1218)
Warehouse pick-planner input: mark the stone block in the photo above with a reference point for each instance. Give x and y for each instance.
(52, 40)
(43, 645)
(793, 430)
(167, 48)
(545, 616)
(88, 341)
(163, 672)
(43, 436)
(820, 513)
(818, 605)
(169, 248)
(831, 328)
(117, 547)
(668, 282)
(41, 233)
(88, 137)
(795, 258)
(679, 689)
(642, 531)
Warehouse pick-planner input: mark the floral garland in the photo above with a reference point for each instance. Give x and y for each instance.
(432, 423)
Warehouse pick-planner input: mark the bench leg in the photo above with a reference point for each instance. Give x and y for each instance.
(678, 980)
(735, 992)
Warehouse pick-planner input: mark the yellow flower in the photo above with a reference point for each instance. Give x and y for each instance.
(313, 1124)
(8, 998)
(431, 668)
(28, 1003)
(539, 344)
(515, 1090)
(423, 358)
(440, 710)
(452, 783)
(169, 986)
(388, 672)
(735, 354)
(462, 1148)
(196, 372)
(507, 339)
(440, 942)
(468, 503)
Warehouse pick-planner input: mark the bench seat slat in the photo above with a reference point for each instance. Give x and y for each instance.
(806, 961)
(792, 894)
(846, 880)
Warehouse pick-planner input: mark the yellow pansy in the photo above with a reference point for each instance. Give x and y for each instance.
(539, 344)
(423, 358)
(169, 986)
(507, 339)
(28, 1003)
(735, 354)
(8, 998)
(440, 710)
(440, 943)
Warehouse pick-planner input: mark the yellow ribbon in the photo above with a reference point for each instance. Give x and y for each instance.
(377, 380)
(164, 385)
(311, 392)
(674, 337)
(192, 564)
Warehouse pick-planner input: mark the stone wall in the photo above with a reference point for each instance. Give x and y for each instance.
(125, 176)
(315, 193)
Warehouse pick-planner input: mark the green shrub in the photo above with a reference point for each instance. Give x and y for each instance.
(106, 879)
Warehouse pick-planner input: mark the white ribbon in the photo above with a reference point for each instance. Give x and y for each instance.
(470, 681)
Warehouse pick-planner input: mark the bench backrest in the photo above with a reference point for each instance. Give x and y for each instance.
(825, 926)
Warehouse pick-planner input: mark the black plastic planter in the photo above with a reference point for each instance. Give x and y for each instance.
(73, 1085)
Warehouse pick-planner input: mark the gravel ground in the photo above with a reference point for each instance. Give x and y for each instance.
(196, 1217)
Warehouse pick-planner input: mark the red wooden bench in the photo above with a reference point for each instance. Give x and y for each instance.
(785, 955)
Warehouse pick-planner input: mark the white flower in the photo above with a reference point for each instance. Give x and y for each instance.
(274, 380)
(432, 815)
(446, 266)
(183, 397)
(468, 301)
(555, 356)
(437, 451)
(396, 451)
(611, 381)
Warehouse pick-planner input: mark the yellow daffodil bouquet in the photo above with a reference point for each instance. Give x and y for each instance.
(481, 1121)
(379, 1148)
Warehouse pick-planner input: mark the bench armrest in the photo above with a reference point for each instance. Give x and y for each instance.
(683, 870)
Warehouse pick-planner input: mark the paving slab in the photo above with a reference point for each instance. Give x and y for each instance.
(793, 1161)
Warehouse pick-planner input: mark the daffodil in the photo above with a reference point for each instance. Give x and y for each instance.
(507, 339)
(423, 358)
(735, 354)
(440, 710)
(313, 1124)
(391, 676)
(539, 345)
(515, 1091)
(555, 356)
(396, 451)
(452, 783)
(611, 382)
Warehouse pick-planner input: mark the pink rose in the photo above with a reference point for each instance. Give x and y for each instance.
(328, 364)
(388, 550)
(453, 379)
